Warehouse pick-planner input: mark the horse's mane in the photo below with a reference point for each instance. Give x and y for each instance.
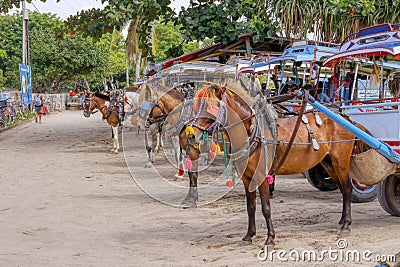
(146, 93)
(102, 96)
(235, 91)
(161, 89)
(174, 94)
(241, 92)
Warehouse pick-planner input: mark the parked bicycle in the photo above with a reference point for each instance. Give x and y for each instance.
(7, 113)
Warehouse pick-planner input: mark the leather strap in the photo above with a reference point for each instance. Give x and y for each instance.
(274, 169)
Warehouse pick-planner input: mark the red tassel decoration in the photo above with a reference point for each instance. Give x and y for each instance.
(180, 170)
(189, 164)
(270, 179)
(229, 183)
(212, 155)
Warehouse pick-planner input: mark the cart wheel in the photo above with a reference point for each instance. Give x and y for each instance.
(319, 178)
(363, 193)
(389, 195)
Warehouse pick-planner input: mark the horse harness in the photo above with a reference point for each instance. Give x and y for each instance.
(262, 111)
(185, 116)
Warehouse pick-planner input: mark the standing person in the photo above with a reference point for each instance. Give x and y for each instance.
(38, 104)
(82, 99)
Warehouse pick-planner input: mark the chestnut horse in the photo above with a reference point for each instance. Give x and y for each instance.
(98, 101)
(154, 142)
(174, 112)
(258, 143)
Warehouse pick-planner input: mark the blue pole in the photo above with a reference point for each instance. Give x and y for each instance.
(382, 147)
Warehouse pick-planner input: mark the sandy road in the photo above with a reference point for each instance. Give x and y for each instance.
(66, 201)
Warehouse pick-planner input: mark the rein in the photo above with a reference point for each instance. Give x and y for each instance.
(161, 118)
(275, 168)
(238, 122)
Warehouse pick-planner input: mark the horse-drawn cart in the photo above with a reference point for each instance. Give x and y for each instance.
(381, 115)
(386, 167)
(300, 64)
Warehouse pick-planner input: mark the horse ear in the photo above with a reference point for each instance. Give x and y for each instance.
(219, 90)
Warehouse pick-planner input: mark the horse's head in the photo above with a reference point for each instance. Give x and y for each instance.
(217, 105)
(87, 105)
(155, 118)
(92, 103)
(162, 107)
(210, 108)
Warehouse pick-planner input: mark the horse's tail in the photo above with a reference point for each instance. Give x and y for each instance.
(359, 145)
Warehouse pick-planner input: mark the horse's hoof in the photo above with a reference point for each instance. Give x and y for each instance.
(189, 203)
(247, 237)
(243, 243)
(269, 242)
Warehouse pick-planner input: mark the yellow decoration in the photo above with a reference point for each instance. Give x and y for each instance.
(218, 149)
(189, 130)
(377, 72)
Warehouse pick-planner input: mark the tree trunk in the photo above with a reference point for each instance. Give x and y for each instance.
(138, 61)
(127, 72)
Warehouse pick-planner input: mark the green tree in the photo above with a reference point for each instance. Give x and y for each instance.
(67, 59)
(326, 20)
(54, 55)
(139, 16)
(11, 44)
(6, 5)
(170, 43)
(222, 21)
(3, 54)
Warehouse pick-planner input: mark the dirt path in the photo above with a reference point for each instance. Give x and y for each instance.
(66, 201)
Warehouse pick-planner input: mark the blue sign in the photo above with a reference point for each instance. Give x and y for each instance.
(25, 82)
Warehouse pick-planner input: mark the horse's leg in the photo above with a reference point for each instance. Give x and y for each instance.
(272, 188)
(149, 146)
(264, 190)
(340, 176)
(116, 141)
(160, 144)
(113, 138)
(177, 153)
(192, 196)
(345, 220)
(157, 148)
(251, 211)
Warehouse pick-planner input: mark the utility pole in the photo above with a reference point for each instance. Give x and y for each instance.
(25, 38)
(24, 68)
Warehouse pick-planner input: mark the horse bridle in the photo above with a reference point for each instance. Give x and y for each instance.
(86, 107)
(254, 139)
(86, 104)
(151, 121)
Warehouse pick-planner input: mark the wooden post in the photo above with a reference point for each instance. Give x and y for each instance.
(248, 47)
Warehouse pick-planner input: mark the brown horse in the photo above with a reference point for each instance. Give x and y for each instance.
(258, 143)
(98, 101)
(172, 112)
